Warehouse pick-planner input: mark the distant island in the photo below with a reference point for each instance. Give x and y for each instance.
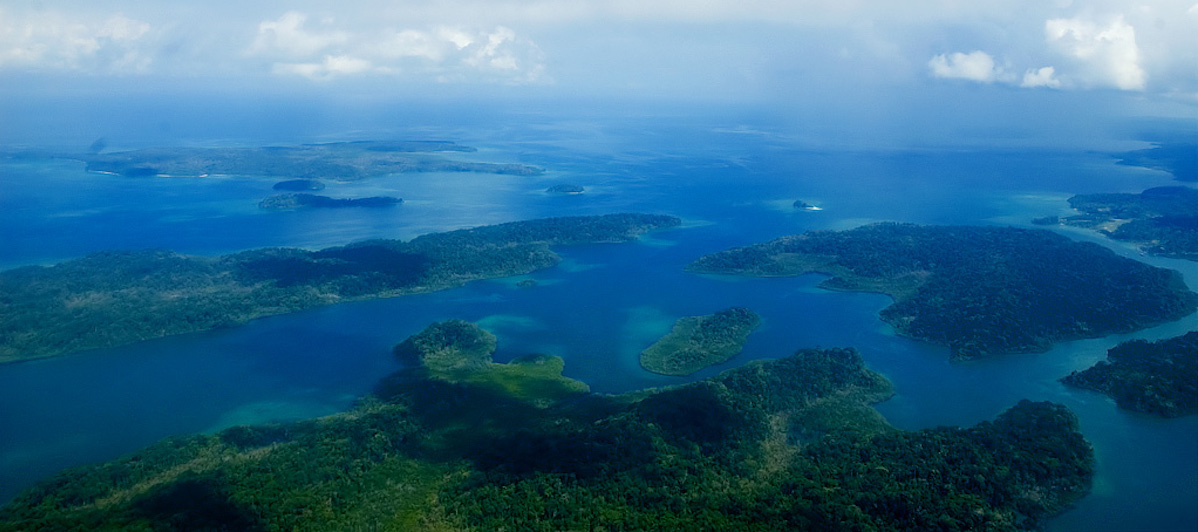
(300, 185)
(696, 342)
(1162, 221)
(978, 290)
(1177, 158)
(296, 201)
(1158, 378)
(804, 206)
(456, 442)
(565, 189)
(114, 298)
(341, 161)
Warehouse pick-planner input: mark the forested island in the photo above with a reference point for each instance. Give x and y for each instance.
(343, 161)
(114, 298)
(1159, 378)
(696, 342)
(1162, 221)
(298, 201)
(978, 290)
(456, 442)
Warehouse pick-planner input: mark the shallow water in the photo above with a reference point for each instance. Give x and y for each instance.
(597, 310)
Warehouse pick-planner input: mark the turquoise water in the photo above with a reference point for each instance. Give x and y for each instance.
(731, 182)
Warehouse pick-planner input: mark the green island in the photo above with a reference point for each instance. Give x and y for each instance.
(978, 290)
(457, 442)
(342, 161)
(114, 298)
(1162, 221)
(1159, 378)
(696, 342)
(299, 201)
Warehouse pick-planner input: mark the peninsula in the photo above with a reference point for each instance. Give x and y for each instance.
(1162, 221)
(341, 161)
(978, 290)
(1178, 157)
(456, 442)
(120, 297)
(1159, 378)
(459, 352)
(696, 342)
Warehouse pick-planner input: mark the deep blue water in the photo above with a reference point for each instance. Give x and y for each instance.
(731, 181)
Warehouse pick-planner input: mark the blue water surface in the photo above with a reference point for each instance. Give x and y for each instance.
(733, 184)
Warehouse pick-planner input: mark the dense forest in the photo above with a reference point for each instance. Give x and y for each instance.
(978, 290)
(342, 161)
(1162, 220)
(1158, 378)
(696, 342)
(787, 444)
(115, 298)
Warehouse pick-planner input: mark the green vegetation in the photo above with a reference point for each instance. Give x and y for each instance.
(697, 342)
(979, 290)
(1158, 378)
(1162, 220)
(459, 352)
(339, 160)
(115, 298)
(448, 346)
(296, 201)
(788, 444)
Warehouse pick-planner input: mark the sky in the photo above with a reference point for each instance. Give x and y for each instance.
(852, 56)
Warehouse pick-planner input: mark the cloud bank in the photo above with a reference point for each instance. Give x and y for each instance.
(53, 41)
(974, 66)
(1104, 54)
(620, 45)
(443, 54)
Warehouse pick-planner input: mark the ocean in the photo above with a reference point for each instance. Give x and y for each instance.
(731, 177)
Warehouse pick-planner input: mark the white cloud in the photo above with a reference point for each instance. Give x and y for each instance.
(287, 37)
(57, 41)
(410, 43)
(1105, 54)
(1042, 77)
(443, 53)
(615, 44)
(330, 67)
(976, 66)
